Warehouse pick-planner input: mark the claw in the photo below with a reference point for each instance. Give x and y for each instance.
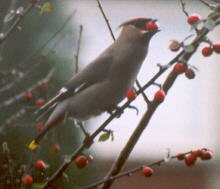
(134, 108)
(116, 110)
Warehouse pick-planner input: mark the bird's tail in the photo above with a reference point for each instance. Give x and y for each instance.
(56, 117)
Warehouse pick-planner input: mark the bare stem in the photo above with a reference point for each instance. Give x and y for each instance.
(183, 8)
(78, 49)
(207, 4)
(106, 19)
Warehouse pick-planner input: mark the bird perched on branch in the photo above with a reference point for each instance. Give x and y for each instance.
(102, 84)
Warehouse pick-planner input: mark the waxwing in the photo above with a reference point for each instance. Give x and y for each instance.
(103, 83)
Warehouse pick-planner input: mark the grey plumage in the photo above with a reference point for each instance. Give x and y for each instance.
(102, 84)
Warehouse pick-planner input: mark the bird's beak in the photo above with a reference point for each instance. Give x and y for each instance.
(153, 20)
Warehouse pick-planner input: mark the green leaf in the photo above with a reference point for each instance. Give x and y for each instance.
(8, 17)
(46, 7)
(37, 185)
(188, 48)
(104, 137)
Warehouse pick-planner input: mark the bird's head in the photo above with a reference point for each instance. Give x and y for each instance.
(142, 27)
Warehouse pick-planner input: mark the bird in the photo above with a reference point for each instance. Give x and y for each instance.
(103, 83)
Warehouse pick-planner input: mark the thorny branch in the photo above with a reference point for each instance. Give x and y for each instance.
(131, 171)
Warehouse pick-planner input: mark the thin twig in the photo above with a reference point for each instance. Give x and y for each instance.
(131, 171)
(183, 8)
(49, 39)
(78, 49)
(143, 94)
(15, 24)
(106, 19)
(20, 95)
(207, 4)
(33, 68)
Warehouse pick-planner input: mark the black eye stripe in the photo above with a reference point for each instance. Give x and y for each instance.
(140, 24)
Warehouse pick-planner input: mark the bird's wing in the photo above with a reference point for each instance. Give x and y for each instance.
(93, 73)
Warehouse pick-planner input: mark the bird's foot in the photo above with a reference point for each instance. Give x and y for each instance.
(117, 111)
(134, 108)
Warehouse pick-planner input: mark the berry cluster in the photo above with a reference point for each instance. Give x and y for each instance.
(208, 50)
(194, 20)
(28, 96)
(191, 158)
(180, 68)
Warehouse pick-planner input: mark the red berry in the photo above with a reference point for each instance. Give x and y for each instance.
(40, 165)
(27, 96)
(206, 155)
(147, 171)
(40, 102)
(39, 126)
(216, 47)
(28, 180)
(131, 94)
(42, 85)
(193, 19)
(179, 68)
(152, 26)
(197, 152)
(174, 45)
(189, 73)
(32, 1)
(159, 96)
(180, 156)
(81, 161)
(54, 148)
(207, 51)
(190, 159)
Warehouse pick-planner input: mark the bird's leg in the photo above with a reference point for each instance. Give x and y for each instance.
(81, 126)
(87, 140)
(116, 110)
